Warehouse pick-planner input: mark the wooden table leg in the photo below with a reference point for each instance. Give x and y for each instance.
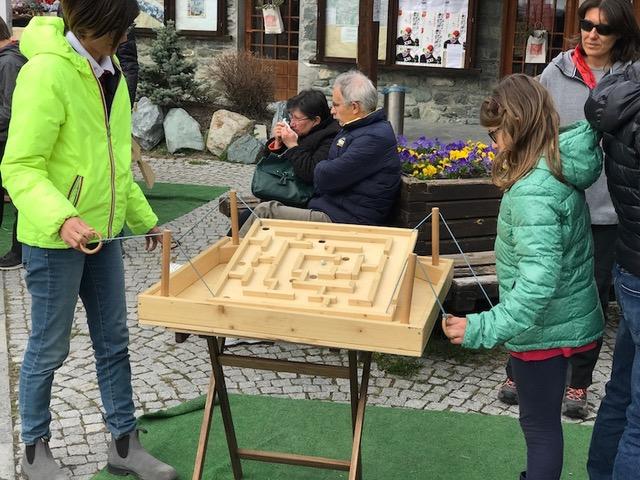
(353, 379)
(203, 441)
(205, 427)
(221, 387)
(355, 469)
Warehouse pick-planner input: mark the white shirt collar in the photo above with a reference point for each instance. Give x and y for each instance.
(98, 68)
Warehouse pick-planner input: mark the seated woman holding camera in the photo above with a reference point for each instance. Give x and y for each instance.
(307, 141)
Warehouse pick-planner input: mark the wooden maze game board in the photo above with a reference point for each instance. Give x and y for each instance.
(345, 286)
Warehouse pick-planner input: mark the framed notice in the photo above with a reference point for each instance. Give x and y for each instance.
(432, 33)
(197, 15)
(191, 17)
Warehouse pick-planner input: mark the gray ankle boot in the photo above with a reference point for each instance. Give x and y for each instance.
(128, 456)
(38, 463)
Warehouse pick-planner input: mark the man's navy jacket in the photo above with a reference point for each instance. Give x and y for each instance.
(359, 181)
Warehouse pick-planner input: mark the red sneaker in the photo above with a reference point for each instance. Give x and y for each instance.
(575, 403)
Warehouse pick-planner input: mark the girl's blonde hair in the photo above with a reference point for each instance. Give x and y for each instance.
(524, 113)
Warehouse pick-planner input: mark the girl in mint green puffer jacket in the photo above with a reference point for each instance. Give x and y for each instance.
(549, 306)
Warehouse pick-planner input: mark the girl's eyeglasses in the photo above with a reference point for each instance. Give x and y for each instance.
(601, 28)
(492, 135)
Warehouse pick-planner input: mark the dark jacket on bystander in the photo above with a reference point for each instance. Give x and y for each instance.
(359, 181)
(614, 110)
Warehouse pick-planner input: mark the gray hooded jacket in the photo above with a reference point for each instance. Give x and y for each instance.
(570, 93)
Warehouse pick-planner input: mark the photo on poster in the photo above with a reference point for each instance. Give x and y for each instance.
(406, 54)
(426, 56)
(453, 39)
(196, 8)
(405, 37)
(430, 27)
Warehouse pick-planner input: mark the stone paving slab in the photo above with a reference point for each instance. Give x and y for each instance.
(166, 374)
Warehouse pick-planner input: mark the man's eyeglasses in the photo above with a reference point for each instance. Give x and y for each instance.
(492, 135)
(601, 28)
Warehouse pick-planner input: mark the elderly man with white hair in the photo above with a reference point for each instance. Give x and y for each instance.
(359, 180)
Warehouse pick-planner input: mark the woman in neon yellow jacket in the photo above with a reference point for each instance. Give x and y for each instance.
(67, 169)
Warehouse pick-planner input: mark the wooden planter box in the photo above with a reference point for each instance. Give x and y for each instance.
(469, 206)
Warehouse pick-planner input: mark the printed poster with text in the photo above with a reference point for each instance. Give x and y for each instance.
(432, 33)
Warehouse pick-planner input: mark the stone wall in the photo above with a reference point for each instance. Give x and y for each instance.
(434, 96)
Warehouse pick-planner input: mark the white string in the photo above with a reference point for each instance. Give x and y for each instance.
(196, 270)
(433, 290)
(406, 262)
(467, 261)
(422, 221)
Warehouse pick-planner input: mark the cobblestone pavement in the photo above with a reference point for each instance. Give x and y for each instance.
(165, 374)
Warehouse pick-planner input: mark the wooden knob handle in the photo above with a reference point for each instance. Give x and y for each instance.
(96, 249)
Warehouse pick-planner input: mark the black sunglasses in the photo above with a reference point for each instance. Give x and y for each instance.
(492, 135)
(601, 28)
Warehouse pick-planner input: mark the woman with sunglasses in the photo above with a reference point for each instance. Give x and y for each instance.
(67, 166)
(609, 41)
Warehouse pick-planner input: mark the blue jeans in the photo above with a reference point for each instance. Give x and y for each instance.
(614, 453)
(55, 279)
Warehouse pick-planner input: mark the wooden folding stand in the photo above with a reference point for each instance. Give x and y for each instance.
(344, 286)
(217, 386)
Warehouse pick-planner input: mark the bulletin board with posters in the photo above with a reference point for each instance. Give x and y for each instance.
(432, 33)
(412, 33)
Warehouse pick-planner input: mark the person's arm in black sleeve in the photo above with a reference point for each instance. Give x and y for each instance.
(304, 160)
(128, 56)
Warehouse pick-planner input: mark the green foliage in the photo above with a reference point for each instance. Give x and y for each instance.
(170, 81)
(405, 367)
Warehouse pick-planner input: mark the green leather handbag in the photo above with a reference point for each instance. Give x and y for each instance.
(274, 179)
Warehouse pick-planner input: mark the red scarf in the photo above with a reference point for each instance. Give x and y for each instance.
(583, 68)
